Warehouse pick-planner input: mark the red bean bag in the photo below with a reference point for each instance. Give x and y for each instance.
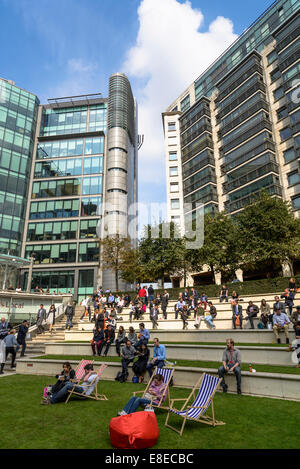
(134, 431)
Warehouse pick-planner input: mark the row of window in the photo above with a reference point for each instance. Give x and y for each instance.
(69, 167)
(16, 122)
(71, 147)
(63, 253)
(74, 120)
(67, 187)
(88, 207)
(11, 204)
(52, 231)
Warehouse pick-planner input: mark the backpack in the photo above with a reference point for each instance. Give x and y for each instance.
(121, 377)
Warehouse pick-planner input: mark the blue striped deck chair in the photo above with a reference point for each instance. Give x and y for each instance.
(208, 385)
(167, 373)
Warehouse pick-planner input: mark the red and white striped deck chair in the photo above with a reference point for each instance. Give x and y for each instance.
(79, 372)
(91, 391)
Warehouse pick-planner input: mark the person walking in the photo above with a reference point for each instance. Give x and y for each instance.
(164, 304)
(231, 363)
(10, 343)
(21, 337)
(69, 313)
(154, 311)
(40, 319)
(51, 317)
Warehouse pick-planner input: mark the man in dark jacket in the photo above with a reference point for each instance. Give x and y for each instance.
(150, 295)
(21, 337)
(69, 312)
(237, 311)
(109, 337)
(5, 327)
(252, 311)
(41, 317)
(164, 303)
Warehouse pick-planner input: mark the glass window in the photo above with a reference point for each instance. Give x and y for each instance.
(278, 93)
(271, 57)
(88, 228)
(171, 126)
(92, 185)
(173, 171)
(293, 178)
(282, 113)
(174, 187)
(173, 156)
(93, 165)
(296, 203)
(175, 204)
(285, 133)
(91, 206)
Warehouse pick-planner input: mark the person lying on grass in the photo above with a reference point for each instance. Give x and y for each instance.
(156, 390)
(84, 387)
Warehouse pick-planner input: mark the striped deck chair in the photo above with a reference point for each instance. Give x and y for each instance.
(167, 373)
(208, 385)
(94, 385)
(79, 372)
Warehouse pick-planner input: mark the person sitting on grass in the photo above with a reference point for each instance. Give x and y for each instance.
(159, 356)
(67, 375)
(156, 390)
(281, 322)
(231, 362)
(97, 340)
(128, 353)
(84, 387)
(109, 338)
(139, 367)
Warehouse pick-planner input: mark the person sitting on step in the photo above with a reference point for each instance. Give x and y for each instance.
(281, 322)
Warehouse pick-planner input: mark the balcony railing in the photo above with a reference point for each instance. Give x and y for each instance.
(261, 104)
(263, 124)
(272, 189)
(251, 90)
(250, 176)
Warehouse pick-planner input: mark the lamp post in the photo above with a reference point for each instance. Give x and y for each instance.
(28, 289)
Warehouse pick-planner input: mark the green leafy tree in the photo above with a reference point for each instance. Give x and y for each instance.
(160, 254)
(113, 254)
(220, 249)
(269, 233)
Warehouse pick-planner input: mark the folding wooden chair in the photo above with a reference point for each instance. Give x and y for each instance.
(79, 371)
(195, 412)
(167, 373)
(93, 385)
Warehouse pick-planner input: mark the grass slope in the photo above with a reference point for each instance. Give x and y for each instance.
(251, 422)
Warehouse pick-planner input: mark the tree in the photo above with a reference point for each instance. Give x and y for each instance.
(132, 269)
(113, 255)
(269, 233)
(220, 248)
(160, 254)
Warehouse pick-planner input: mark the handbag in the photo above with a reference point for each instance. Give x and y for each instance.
(237, 321)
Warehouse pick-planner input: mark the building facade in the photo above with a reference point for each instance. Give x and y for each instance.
(236, 129)
(69, 178)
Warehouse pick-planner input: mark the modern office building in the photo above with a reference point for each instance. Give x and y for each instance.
(69, 171)
(236, 129)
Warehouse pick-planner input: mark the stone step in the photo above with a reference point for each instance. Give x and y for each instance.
(175, 324)
(255, 354)
(275, 385)
(255, 336)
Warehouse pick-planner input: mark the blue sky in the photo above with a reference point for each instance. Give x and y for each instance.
(63, 47)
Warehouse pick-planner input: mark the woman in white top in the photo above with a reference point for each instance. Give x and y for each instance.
(51, 317)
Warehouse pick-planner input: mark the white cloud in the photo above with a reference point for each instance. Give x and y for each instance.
(169, 54)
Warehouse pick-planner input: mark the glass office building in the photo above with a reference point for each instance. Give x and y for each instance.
(18, 115)
(236, 130)
(61, 164)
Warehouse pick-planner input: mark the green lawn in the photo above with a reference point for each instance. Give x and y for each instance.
(188, 363)
(251, 422)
